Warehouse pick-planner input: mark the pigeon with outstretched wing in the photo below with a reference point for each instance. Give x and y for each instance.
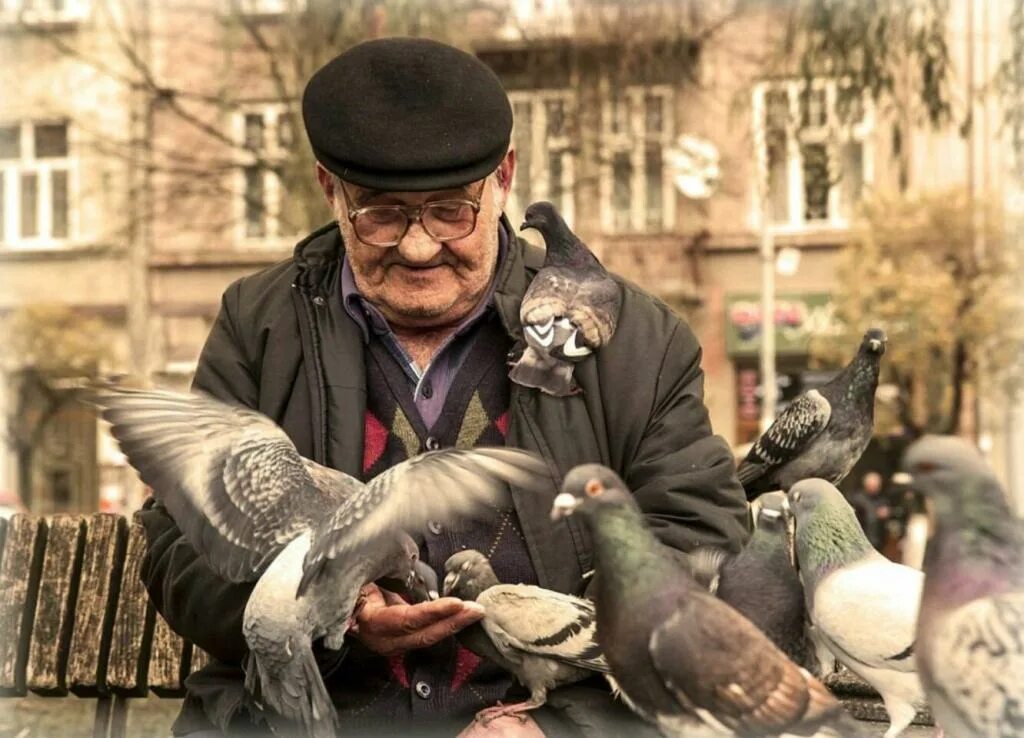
(309, 536)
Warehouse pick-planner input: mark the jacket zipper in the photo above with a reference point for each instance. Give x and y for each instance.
(309, 330)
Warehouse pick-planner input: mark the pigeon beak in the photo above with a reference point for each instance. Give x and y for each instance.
(564, 506)
(903, 479)
(433, 595)
(876, 345)
(450, 580)
(785, 507)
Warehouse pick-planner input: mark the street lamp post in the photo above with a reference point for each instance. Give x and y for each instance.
(768, 381)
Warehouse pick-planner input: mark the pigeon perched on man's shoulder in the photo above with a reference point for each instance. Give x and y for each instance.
(544, 638)
(761, 583)
(823, 432)
(861, 604)
(309, 537)
(570, 309)
(970, 631)
(678, 656)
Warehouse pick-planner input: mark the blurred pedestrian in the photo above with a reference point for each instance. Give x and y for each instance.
(872, 508)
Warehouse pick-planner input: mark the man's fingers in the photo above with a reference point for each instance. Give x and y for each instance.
(397, 620)
(438, 631)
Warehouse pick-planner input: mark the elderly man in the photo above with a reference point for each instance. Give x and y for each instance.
(387, 334)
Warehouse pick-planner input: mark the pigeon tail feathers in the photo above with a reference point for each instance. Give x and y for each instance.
(296, 695)
(549, 375)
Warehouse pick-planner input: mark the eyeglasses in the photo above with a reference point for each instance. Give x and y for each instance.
(386, 225)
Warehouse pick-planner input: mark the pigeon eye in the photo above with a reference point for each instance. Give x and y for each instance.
(593, 488)
(924, 467)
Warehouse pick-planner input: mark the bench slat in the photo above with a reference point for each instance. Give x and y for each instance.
(102, 563)
(19, 586)
(55, 606)
(133, 624)
(198, 660)
(166, 659)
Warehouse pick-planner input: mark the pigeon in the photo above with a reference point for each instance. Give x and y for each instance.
(970, 631)
(570, 309)
(679, 657)
(861, 604)
(761, 583)
(823, 432)
(309, 537)
(544, 638)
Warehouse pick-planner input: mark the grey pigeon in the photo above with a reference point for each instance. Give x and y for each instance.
(861, 604)
(309, 536)
(570, 309)
(761, 583)
(823, 432)
(970, 631)
(544, 638)
(679, 656)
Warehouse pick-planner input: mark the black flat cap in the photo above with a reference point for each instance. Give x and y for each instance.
(407, 114)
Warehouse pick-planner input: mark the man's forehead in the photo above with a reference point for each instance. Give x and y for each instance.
(366, 195)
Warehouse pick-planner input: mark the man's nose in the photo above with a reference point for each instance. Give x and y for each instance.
(417, 246)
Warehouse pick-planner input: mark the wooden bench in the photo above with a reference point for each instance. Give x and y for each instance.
(75, 618)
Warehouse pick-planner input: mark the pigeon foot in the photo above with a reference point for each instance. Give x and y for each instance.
(517, 709)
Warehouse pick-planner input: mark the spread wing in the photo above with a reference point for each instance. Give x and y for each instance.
(439, 485)
(231, 479)
(787, 437)
(544, 623)
(728, 672)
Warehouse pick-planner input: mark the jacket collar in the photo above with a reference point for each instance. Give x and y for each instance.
(318, 260)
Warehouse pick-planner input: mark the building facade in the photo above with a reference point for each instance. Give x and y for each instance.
(136, 186)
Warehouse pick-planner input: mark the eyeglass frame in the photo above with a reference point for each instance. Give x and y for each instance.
(412, 213)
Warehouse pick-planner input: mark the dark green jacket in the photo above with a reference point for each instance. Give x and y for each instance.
(284, 345)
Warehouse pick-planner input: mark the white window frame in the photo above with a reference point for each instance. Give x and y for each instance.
(27, 163)
(542, 147)
(14, 11)
(632, 138)
(833, 134)
(272, 113)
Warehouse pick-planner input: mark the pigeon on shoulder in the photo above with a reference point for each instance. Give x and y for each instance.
(970, 631)
(861, 604)
(544, 638)
(823, 432)
(681, 658)
(570, 309)
(309, 537)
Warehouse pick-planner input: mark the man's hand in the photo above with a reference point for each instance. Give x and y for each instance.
(387, 624)
(507, 726)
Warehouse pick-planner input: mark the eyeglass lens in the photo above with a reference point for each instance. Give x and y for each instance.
(444, 220)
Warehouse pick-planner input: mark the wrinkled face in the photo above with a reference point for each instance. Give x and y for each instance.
(423, 282)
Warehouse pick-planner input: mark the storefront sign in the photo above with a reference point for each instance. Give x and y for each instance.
(797, 318)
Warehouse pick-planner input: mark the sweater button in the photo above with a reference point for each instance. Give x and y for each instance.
(423, 690)
(432, 443)
(318, 301)
(427, 390)
(435, 527)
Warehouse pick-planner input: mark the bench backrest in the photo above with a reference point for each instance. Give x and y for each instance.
(74, 616)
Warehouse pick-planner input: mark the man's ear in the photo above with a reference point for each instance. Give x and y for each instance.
(326, 181)
(504, 174)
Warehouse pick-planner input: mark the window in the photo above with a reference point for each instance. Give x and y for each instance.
(35, 184)
(544, 164)
(265, 136)
(815, 167)
(43, 11)
(636, 188)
